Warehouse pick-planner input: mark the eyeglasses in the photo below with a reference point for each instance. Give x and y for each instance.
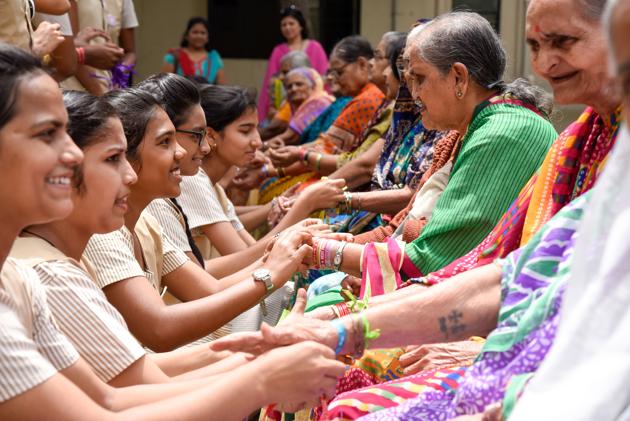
(337, 72)
(199, 135)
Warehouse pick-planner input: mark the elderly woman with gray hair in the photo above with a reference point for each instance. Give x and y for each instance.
(307, 99)
(279, 110)
(514, 301)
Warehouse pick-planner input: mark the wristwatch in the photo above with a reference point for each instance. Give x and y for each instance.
(263, 275)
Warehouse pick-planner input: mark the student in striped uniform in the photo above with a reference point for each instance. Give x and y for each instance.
(41, 375)
(231, 119)
(180, 99)
(134, 264)
(95, 328)
(204, 205)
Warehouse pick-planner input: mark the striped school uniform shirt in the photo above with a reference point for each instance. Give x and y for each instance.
(113, 260)
(205, 203)
(94, 327)
(172, 222)
(32, 349)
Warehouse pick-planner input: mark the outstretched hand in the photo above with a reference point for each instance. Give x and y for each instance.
(433, 356)
(294, 329)
(299, 375)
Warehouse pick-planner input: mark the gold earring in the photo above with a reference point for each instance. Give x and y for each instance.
(459, 94)
(213, 147)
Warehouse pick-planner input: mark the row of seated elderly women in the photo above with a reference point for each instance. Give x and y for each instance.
(123, 255)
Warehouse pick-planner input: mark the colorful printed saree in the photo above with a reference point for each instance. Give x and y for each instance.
(343, 136)
(570, 169)
(534, 280)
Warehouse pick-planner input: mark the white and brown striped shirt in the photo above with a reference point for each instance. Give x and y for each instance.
(113, 260)
(31, 347)
(96, 329)
(205, 203)
(172, 222)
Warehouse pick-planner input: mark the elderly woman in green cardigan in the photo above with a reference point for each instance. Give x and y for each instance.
(506, 134)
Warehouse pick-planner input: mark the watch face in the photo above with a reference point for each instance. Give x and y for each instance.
(261, 273)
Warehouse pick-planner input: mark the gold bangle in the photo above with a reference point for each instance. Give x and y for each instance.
(46, 60)
(358, 206)
(318, 161)
(280, 172)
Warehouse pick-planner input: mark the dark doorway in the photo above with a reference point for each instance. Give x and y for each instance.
(250, 28)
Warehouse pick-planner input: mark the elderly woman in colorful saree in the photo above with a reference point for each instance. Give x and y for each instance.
(514, 302)
(307, 98)
(371, 140)
(357, 167)
(504, 139)
(400, 164)
(592, 337)
(329, 115)
(282, 114)
(349, 64)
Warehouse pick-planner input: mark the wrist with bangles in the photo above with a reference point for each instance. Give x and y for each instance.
(360, 337)
(80, 55)
(352, 201)
(328, 254)
(303, 155)
(264, 171)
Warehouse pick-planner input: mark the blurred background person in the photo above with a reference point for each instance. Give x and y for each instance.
(194, 58)
(295, 32)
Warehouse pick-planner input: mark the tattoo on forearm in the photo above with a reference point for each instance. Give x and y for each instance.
(451, 324)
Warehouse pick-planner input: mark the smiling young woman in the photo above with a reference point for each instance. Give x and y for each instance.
(135, 264)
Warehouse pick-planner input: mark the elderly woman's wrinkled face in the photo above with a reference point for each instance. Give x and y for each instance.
(285, 68)
(298, 88)
(331, 83)
(392, 83)
(568, 50)
(433, 91)
(351, 77)
(378, 64)
(621, 48)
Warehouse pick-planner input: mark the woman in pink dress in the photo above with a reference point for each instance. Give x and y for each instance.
(295, 32)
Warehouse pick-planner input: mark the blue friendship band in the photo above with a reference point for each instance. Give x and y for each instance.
(341, 335)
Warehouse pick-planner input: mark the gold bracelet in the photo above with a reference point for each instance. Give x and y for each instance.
(280, 172)
(318, 160)
(46, 60)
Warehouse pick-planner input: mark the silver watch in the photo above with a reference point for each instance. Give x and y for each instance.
(263, 275)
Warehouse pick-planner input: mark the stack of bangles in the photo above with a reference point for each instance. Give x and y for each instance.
(264, 171)
(346, 206)
(304, 154)
(80, 55)
(361, 333)
(328, 254)
(341, 309)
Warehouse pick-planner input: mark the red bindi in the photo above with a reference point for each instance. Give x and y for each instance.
(536, 28)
